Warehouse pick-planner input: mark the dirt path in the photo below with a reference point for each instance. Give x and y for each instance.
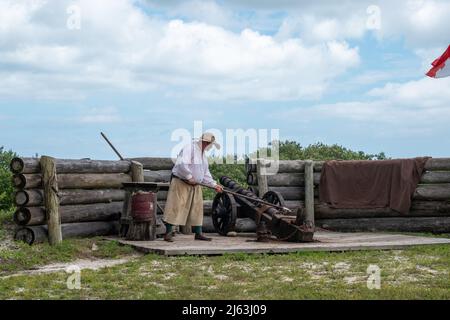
(83, 264)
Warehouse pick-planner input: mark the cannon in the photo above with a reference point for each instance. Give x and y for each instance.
(271, 220)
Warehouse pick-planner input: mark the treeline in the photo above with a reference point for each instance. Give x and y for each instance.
(6, 187)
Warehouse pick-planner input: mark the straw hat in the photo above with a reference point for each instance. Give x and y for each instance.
(209, 137)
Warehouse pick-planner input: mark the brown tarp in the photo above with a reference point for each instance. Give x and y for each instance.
(371, 184)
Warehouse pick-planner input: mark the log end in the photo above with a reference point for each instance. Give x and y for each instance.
(22, 216)
(25, 235)
(21, 198)
(19, 181)
(17, 165)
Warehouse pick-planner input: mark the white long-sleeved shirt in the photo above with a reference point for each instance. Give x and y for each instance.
(192, 163)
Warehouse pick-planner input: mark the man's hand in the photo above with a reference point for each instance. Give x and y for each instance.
(218, 188)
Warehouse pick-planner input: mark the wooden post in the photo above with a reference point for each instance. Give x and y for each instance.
(51, 203)
(309, 193)
(262, 177)
(137, 172)
(137, 175)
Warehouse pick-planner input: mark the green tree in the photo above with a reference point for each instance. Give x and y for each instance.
(292, 150)
(6, 187)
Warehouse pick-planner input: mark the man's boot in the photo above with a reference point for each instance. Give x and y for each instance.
(200, 236)
(168, 237)
(169, 234)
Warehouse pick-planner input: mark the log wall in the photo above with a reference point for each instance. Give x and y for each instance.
(90, 195)
(430, 210)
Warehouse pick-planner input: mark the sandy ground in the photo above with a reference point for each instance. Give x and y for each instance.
(82, 264)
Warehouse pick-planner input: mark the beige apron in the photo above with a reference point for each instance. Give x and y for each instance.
(184, 205)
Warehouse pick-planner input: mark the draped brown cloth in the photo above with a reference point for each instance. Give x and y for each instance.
(371, 184)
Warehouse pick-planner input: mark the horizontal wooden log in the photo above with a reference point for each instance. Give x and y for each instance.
(156, 163)
(34, 197)
(242, 225)
(82, 196)
(69, 214)
(293, 166)
(432, 192)
(418, 209)
(93, 180)
(39, 234)
(31, 165)
(283, 179)
(415, 224)
(428, 192)
(435, 177)
(33, 181)
(288, 193)
(157, 176)
(288, 166)
(438, 164)
(27, 181)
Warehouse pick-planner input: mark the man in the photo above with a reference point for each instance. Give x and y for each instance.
(184, 204)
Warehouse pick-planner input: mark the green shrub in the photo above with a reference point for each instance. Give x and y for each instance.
(292, 150)
(6, 187)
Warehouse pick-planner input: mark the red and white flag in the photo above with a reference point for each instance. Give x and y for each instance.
(441, 66)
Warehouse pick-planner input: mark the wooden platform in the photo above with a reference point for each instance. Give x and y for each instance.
(324, 241)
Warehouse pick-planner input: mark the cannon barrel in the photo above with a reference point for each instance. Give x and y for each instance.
(234, 186)
(283, 227)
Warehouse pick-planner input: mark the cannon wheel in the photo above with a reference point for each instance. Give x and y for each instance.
(224, 213)
(274, 197)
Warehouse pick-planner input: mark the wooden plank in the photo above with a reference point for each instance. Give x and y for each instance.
(325, 241)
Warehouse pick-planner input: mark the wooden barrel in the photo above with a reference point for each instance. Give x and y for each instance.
(143, 206)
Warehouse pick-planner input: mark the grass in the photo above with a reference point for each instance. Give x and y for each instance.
(415, 273)
(23, 256)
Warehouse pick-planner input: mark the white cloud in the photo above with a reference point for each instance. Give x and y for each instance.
(422, 105)
(119, 46)
(101, 115)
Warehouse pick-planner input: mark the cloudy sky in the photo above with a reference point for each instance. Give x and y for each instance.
(346, 72)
